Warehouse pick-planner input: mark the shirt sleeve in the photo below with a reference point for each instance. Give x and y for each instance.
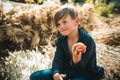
(57, 61)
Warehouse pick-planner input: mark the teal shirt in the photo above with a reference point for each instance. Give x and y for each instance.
(86, 66)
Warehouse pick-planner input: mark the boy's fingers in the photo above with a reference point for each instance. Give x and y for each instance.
(79, 53)
(63, 75)
(74, 48)
(61, 78)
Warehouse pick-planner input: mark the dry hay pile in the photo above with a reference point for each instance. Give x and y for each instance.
(109, 58)
(30, 26)
(20, 64)
(25, 26)
(108, 31)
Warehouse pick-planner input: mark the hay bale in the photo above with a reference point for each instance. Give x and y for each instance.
(108, 35)
(109, 58)
(27, 23)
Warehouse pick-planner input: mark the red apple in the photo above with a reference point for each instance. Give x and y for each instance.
(81, 47)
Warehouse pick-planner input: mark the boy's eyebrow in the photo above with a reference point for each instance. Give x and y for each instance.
(64, 17)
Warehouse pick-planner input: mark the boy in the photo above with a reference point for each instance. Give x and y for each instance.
(70, 62)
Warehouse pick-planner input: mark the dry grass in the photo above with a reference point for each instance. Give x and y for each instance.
(108, 32)
(20, 64)
(109, 58)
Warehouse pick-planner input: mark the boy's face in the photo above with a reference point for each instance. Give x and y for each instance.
(67, 25)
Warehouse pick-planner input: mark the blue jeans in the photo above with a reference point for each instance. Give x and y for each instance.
(47, 75)
(42, 75)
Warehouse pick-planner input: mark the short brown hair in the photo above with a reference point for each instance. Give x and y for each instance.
(64, 11)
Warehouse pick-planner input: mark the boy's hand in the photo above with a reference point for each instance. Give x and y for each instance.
(58, 76)
(77, 50)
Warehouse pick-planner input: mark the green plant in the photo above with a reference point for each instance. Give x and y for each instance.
(89, 1)
(40, 1)
(36, 1)
(103, 8)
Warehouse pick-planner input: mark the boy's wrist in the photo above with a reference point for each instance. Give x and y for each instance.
(73, 63)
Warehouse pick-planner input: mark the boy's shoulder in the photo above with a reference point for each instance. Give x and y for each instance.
(84, 35)
(61, 40)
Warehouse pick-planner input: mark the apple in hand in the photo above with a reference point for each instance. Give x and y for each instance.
(81, 47)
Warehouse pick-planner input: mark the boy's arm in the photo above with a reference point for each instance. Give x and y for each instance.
(88, 60)
(58, 59)
(86, 57)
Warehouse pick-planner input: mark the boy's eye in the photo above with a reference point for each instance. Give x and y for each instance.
(64, 22)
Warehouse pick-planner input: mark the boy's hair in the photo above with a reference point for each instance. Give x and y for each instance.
(64, 11)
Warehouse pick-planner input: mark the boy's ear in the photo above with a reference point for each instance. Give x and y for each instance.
(77, 20)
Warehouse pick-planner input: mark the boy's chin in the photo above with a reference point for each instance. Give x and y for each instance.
(64, 34)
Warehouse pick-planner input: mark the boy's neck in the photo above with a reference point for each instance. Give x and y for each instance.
(74, 35)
